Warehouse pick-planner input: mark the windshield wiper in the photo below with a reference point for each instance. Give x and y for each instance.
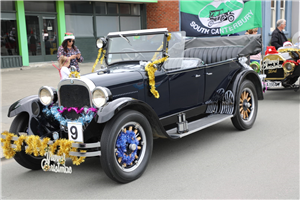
(125, 38)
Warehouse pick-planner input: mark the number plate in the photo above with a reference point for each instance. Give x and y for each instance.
(274, 84)
(75, 131)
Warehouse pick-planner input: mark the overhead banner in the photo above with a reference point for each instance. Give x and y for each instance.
(219, 17)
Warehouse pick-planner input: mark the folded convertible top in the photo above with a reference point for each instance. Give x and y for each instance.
(252, 43)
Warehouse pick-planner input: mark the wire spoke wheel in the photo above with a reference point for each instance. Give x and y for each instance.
(126, 146)
(246, 106)
(130, 146)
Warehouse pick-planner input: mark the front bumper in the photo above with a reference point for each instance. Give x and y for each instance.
(93, 149)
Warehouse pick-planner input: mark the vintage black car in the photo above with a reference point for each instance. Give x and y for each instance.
(154, 84)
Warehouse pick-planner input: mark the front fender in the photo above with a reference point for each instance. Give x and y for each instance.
(113, 107)
(22, 105)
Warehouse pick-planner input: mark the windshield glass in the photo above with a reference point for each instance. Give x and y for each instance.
(142, 47)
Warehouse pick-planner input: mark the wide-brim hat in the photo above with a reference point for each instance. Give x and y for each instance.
(69, 36)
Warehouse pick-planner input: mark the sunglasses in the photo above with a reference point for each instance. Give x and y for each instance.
(71, 40)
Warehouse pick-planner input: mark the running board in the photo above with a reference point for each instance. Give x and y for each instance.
(200, 124)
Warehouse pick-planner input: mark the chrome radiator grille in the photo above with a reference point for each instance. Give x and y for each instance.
(74, 96)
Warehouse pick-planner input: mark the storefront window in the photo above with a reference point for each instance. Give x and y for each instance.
(33, 35)
(9, 36)
(100, 8)
(7, 5)
(135, 9)
(80, 25)
(78, 7)
(112, 8)
(40, 6)
(124, 9)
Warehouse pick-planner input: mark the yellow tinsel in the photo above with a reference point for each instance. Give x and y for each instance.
(97, 60)
(8, 151)
(74, 74)
(151, 69)
(288, 50)
(151, 73)
(38, 147)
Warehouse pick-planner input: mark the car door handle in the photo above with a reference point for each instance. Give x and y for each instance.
(209, 73)
(197, 75)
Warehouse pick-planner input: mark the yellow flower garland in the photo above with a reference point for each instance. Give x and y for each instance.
(151, 69)
(37, 147)
(97, 60)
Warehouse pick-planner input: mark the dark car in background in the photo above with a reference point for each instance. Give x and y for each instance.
(153, 85)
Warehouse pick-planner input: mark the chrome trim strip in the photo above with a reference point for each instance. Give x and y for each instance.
(88, 145)
(194, 126)
(88, 154)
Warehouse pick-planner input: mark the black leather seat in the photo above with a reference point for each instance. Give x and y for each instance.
(213, 54)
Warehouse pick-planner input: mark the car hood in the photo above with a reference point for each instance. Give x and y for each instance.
(116, 79)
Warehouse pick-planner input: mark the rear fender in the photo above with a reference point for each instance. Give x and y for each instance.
(114, 107)
(251, 76)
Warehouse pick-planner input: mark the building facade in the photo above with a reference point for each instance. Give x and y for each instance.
(31, 31)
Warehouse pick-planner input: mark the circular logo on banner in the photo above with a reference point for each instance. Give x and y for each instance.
(220, 13)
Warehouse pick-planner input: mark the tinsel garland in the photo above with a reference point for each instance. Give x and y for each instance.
(97, 60)
(288, 50)
(151, 73)
(37, 147)
(74, 74)
(87, 114)
(151, 70)
(123, 141)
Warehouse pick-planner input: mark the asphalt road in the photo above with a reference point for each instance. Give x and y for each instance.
(216, 163)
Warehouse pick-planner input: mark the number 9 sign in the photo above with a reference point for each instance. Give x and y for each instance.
(75, 131)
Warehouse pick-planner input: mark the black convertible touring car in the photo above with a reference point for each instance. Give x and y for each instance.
(154, 84)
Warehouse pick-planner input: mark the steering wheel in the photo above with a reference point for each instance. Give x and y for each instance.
(135, 57)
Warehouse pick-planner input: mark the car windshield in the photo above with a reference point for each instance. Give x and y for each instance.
(128, 48)
(144, 47)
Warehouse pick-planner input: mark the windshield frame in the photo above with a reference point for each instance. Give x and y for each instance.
(126, 34)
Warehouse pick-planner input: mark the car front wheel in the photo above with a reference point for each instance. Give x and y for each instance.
(246, 106)
(20, 124)
(126, 146)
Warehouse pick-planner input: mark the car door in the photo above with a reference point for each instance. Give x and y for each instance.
(218, 75)
(186, 88)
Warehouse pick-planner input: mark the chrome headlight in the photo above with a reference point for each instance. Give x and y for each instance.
(100, 96)
(46, 95)
(101, 42)
(289, 66)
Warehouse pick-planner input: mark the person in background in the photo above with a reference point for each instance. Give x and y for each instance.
(69, 49)
(256, 57)
(64, 71)
(278, 37)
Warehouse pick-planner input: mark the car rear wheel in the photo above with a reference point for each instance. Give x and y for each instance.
(20, 124)
(246, 106)
(126, 146)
